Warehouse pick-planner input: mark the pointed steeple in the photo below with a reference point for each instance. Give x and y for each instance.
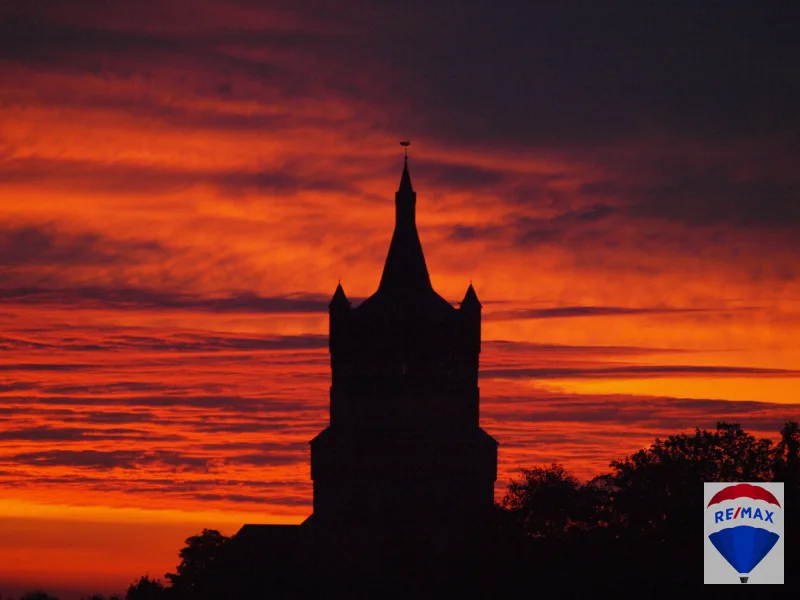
(470, 300)
(405, 288)
(405, 270)
(339, 299)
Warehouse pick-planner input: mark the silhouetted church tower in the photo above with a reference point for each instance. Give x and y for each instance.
(404, 448)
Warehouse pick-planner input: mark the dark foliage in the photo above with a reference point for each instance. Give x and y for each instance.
(198, 560)
(550, 503)
(145, 589)
(637, 527)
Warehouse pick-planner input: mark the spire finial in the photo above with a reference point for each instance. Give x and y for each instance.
(405, 146)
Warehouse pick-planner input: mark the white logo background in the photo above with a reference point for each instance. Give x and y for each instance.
(718, 570)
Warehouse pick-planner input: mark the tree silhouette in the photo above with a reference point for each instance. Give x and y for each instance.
(198, 559)
(646, 513)
(787, 469)
(549, 502)
(145, 589)
(787, 455)
(656, 489)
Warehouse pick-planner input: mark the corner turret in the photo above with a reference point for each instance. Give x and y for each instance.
(470, 301)
(339, 309)
(470, 310)
(339, 300)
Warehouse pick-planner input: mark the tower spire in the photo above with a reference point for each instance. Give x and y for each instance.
(405, 267)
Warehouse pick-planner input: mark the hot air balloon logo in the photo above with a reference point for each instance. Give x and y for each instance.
(744, 525)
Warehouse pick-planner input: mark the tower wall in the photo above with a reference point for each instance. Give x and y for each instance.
(421, 374)
(404, 442)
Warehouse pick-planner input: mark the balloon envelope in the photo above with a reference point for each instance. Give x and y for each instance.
(744, 546)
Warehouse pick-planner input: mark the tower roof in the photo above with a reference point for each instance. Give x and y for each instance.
(405, 268)
(471, 298)
(339, 299)
(405, 283)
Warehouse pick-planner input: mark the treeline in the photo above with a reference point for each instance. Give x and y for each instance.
(636, 529)
(653, 494)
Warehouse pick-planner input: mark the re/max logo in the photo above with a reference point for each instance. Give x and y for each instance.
(743, 512)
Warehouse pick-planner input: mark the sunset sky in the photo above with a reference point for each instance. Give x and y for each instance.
(183, 184)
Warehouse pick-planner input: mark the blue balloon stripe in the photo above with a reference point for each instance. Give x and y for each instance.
(744, 546)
